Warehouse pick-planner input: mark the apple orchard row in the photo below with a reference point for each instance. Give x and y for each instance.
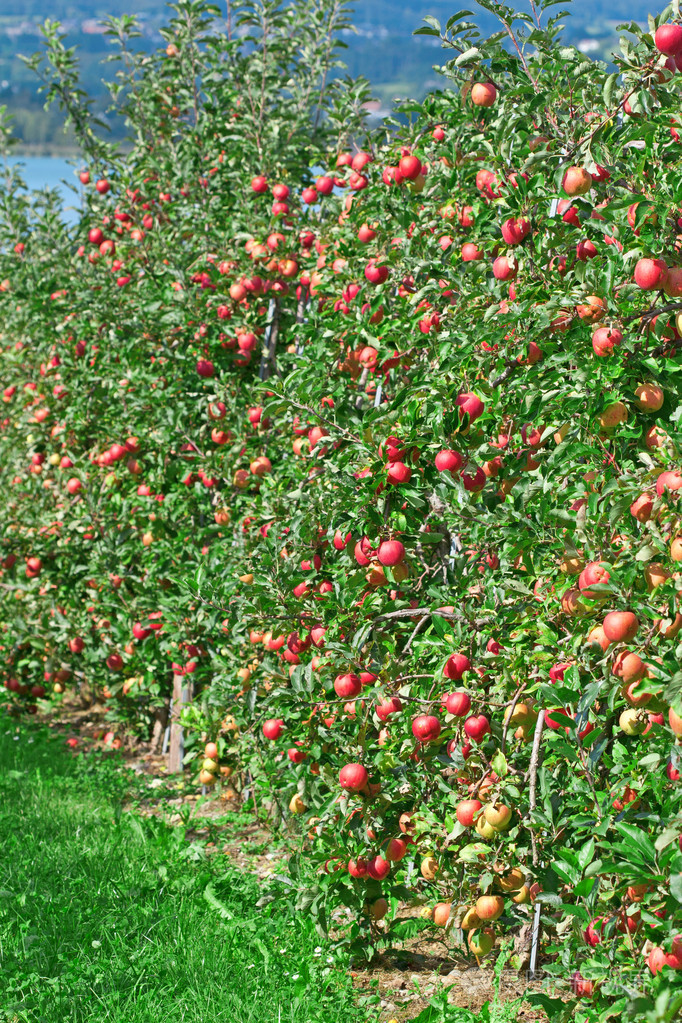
(386, 461)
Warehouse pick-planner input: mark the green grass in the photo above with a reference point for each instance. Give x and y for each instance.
(109, 917)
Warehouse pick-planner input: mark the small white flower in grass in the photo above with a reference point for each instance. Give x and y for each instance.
(296, 976)
(282, 951)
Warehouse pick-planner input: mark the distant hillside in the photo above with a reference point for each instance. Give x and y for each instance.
(383, 47)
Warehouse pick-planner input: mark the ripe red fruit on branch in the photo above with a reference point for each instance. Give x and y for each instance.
(593, 574)
(605, 339)
(364, 552)
(378, 868)
(34, 567)
(387, 707)
(347, 686)
(649, 397)
(668, 481)
(398, 472)
(396, 849)
(504, 269)
(471, 405)
(410, 167)
(467, 812)
(392, 449)
(361, 160)
(455, 666)
(515, 229)
(642, 507)
(426, 728)
(656, 960)
(576, 181)
(471, 252)
(668, 39)
(358, 868)
(205, 368)
(477, 726)
(450, 460)
(458, 704)
(376, 274)
(650, 274)
(620, 626)
(366, 234)
(353, 777)
(324, 185)
(273, 728)
(483, 94)
(489, 907)
(280, 192)
(391, 552)
(340, 542)
(581, 987)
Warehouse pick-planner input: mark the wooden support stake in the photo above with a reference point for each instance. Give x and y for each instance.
(159, 726)
(532, 801)
(268, 364)
(181, 696)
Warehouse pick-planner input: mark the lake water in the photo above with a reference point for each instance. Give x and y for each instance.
(50, 172)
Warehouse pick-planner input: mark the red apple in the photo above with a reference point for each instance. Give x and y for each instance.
(477, 726)
(650, 274)
(467, 812)
(449, 460)
(668, 39)
(273, 728)
(426, 728)
(620, 626)
(353, 777)
(391, 552)
(458, 704)
(576, 181)
(483, 94)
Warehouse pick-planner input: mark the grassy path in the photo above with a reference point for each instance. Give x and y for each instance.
(105, 919)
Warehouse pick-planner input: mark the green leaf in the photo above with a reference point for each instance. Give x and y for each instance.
(666, 838)
(637, 844)
(673, 692)
(586, 854)
(609, 90)
(567, 871)
(452, 21)
(676, 887)
(468, 55)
